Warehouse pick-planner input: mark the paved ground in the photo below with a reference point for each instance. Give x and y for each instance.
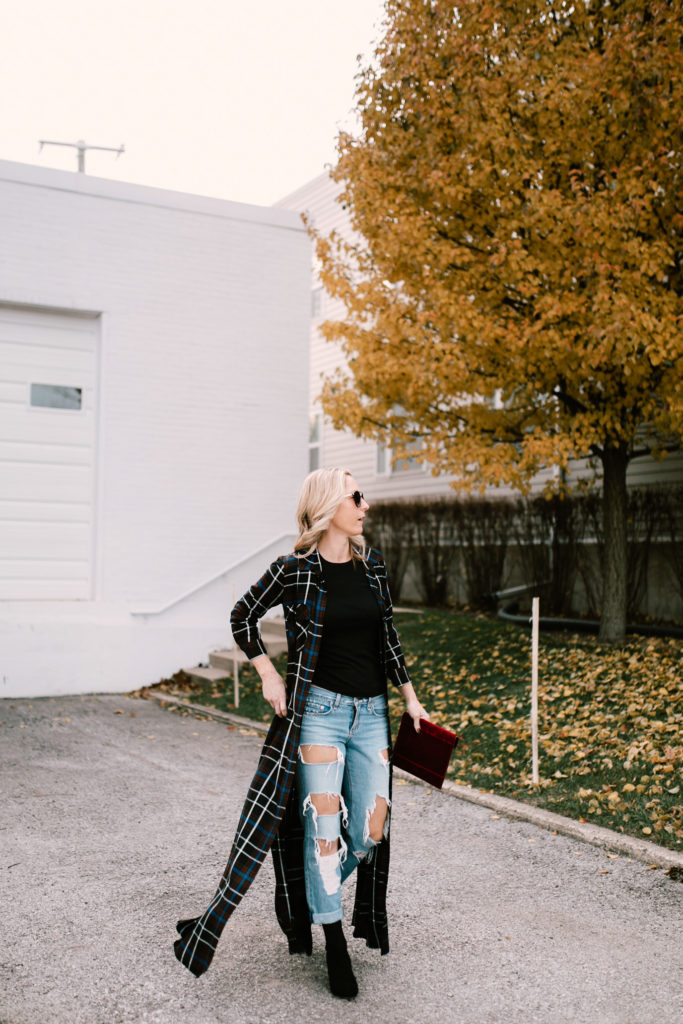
(118, 817)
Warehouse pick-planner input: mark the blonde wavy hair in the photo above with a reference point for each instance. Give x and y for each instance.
(322, 492)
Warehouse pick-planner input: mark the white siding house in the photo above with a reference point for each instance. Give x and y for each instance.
(153, 422)
(371, 464)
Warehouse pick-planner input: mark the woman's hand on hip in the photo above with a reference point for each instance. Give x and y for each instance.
(272, 685)
(275, 693)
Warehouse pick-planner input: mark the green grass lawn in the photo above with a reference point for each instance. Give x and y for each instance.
(610, 720)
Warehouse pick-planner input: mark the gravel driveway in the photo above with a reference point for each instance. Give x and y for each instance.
(118, 818)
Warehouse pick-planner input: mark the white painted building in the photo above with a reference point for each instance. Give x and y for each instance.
(153, 422)
(371, 462)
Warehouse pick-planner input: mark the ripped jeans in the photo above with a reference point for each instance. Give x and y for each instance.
(358, 775)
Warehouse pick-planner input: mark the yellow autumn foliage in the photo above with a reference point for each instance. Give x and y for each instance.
(513, 290)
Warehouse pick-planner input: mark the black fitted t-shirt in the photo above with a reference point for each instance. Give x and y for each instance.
(350, 660)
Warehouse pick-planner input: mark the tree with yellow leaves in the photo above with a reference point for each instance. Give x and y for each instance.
(513, 291)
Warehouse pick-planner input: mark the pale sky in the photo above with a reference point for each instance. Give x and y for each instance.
(237, 99)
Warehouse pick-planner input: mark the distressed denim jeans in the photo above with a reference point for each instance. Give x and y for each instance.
(358, 730)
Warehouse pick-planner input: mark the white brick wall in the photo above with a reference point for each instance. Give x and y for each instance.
(203, 375)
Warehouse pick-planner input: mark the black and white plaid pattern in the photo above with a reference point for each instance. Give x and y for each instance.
(269, 818)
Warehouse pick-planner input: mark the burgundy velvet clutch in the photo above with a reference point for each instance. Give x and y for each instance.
(425, 753)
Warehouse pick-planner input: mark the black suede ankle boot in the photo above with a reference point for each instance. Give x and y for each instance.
(339, 971)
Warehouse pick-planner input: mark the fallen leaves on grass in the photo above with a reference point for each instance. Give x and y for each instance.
(610, 719)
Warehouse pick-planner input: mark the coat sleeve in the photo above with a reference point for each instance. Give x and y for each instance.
(397, 670)
(252, 606)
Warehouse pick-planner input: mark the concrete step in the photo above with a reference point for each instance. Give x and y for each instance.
(225, 660)
(273, 629)
(201, 674)
(222, 663)
(273, 635)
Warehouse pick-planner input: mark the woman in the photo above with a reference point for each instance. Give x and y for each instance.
(320, 797)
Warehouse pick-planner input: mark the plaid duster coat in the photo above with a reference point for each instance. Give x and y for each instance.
(270, 818)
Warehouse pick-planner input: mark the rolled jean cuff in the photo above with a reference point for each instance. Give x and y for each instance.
(329, 917)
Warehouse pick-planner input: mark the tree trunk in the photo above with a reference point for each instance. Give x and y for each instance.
(613, 618)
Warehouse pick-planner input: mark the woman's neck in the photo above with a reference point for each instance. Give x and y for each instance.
(334, 547)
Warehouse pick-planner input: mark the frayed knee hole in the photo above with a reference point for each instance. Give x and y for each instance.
(313, 753)
(377, 820)
(327, 847)
(324, 803)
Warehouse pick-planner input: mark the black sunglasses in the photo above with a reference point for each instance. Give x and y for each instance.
(357, 498)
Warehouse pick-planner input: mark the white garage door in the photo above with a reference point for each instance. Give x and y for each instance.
(47, 453)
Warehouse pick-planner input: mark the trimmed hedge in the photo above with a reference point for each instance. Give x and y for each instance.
(462, 550)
